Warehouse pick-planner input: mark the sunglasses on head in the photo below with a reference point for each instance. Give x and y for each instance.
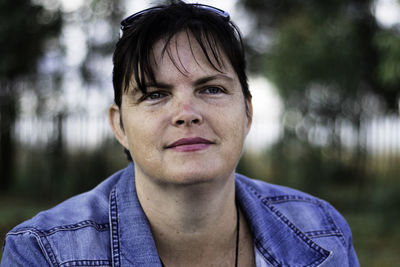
(127, 22)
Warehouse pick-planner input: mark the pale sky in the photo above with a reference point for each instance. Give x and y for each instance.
(388, 12)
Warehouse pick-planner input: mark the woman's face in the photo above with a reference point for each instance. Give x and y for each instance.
(191, 125)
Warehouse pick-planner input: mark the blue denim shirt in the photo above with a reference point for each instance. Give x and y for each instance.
(107, 227)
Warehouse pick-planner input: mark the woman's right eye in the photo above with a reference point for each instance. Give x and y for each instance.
(154, 96)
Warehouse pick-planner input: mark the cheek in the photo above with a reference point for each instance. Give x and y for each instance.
(231, 126)
(144, 131)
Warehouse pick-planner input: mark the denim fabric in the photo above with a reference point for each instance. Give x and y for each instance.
(107, 227)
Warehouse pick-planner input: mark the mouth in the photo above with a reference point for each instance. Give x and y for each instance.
(190, 144)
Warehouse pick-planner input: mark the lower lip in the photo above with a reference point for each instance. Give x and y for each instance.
(191, 147)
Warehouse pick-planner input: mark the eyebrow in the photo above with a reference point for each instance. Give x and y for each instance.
(197, 82)
(211, 78)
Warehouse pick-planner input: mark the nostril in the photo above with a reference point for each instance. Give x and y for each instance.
(187, 122)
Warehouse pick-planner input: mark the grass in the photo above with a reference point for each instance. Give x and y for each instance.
(375, 239)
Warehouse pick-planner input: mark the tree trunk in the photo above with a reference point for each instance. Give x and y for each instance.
(8, 110)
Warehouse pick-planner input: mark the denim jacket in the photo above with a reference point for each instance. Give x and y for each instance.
(107, 227)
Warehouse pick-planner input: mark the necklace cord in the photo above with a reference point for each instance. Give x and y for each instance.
(237, 233)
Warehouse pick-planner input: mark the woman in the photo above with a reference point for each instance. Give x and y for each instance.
(182, 112)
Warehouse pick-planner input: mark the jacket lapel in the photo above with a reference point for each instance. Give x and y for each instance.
(131, 239)
(276, 238)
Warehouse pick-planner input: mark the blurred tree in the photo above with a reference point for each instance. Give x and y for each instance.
(332, 63)
(334, 45)
(97, 22)
(25, 29)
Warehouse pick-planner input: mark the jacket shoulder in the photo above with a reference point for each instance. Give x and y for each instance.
(308, 212)
(311, 217)
(53, 236)
(264, 189)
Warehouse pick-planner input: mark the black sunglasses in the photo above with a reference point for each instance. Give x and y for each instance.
(127, 22)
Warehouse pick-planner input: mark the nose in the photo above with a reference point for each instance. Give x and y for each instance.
(188, 114)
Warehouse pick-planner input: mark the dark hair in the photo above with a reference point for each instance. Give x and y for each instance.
(212, 31)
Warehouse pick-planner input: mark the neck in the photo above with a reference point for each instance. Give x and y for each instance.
(191, 223)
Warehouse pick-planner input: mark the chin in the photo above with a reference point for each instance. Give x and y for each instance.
(187, 173)
(192, 177)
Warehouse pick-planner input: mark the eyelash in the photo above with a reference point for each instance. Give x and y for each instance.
(149, 96)
(220, 90)
(157, 95)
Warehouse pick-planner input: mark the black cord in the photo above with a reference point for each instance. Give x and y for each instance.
(237, 233)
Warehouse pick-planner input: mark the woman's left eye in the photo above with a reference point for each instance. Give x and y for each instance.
(213, 90)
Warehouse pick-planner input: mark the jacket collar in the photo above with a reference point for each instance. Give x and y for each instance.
(275, 237)
(132, 241)
(278, 240)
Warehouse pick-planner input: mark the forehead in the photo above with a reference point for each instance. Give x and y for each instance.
(185, 53)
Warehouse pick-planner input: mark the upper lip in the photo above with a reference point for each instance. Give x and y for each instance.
(189, 141)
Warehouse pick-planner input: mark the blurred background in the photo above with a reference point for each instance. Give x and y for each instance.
(325, 79)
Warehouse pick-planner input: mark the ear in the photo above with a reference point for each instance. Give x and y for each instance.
(249, 113)
(114, 117)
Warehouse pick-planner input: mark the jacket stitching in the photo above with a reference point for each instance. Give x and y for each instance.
(71, 227)
(270, 258)
(323, 233)
(311, 244)
(47, 252)
(286, 198)
(342, 239)
(50, 252)
(116, 260)
(86, 263)
(308, 241)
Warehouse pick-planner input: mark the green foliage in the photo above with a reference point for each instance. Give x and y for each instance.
(388, 43)
(327, 44)
(25, 29)
(49, 174)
